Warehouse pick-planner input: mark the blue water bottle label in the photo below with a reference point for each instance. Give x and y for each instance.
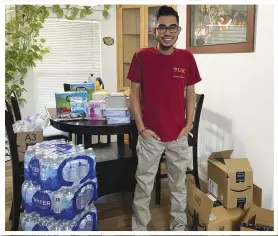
(34, 170)
(42, 202)
(39, 227)
(76, 170)
(63, 147)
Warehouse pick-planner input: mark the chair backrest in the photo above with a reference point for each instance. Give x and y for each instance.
(15, 106)
(13, 147)
(10, 112)
(197, 115)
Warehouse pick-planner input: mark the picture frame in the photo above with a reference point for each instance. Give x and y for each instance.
(220, 28)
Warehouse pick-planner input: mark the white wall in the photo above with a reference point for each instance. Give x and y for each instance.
(238, 106)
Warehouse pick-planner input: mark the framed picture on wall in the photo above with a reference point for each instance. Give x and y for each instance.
(220, 28)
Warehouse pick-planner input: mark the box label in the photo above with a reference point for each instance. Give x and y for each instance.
(212, 217)
(240, 177)
(212, 197)
(213, 188)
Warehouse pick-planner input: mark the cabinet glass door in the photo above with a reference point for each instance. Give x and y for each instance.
(131, 39)
(150, 38)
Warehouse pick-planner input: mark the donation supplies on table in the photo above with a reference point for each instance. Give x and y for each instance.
(77, 105)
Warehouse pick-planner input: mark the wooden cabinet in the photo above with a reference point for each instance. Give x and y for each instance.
(134, 31)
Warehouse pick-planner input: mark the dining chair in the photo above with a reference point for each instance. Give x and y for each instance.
(17, 173)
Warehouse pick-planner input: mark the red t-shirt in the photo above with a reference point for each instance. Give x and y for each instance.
(163, 80)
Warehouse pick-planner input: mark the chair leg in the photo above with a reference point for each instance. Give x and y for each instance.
(108, 138)
(129, 140)
(16, 207)
(69, 137)
(78, 139)
(11, 212)
(195, 166)
(158, 185)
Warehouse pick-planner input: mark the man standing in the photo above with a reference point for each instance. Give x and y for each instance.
(159, 78)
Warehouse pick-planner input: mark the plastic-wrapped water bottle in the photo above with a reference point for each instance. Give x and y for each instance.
(44, 170)
(34, 167)
(22, 220)
(73, 171)
(30, 191)
(30, 221)
(53, 174)
(83, 167)
(86, 221)
(29, 154)
(68, 226)
(23, 192)
(57, 225)
(85, 197)
(42, 201)
(44, 224)
(58, 201)
(90, 153)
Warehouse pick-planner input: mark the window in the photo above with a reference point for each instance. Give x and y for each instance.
(75, 53)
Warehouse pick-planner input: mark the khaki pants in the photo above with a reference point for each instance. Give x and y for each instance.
(149, 151)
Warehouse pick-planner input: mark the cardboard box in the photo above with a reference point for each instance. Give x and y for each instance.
(230, 180)
(81, 87)
(257, 219)
(206, 214)
(25, 139)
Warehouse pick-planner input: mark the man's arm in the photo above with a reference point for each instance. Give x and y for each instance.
(134, 98)
(190, 105)
(190, 109)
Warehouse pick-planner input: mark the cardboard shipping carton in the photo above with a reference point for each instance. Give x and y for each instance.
(257, 219)
(230, 180)
(24, 139)
(205, 213)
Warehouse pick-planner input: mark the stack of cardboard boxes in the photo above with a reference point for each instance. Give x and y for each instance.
(232, 202)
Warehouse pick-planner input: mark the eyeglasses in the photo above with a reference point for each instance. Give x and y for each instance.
(161, 29)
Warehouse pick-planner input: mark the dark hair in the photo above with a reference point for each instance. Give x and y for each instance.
(166, 11)
(100, 82)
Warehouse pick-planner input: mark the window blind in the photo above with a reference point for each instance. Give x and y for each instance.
(75, 53)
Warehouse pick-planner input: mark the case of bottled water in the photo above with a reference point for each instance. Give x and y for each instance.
(60, 187)
(86, 221)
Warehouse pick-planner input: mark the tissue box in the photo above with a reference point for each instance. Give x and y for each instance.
(117, 120)
(110, 112)
(116, 102)
(95, 109)
(71, 105)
